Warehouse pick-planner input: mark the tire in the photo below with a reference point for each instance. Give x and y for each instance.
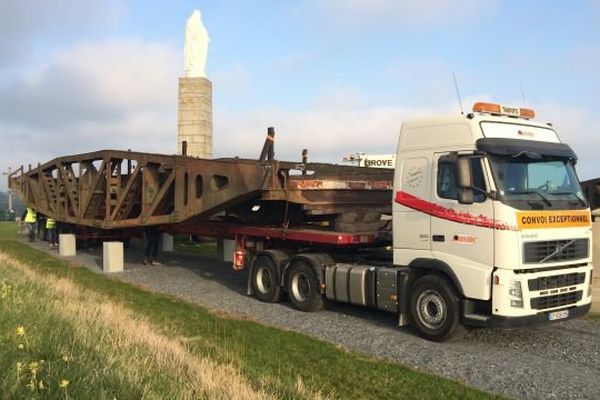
(265, 280)
(435, 308)
(303, 288)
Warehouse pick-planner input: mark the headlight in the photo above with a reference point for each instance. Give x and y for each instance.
(591, 283)
(516, 294)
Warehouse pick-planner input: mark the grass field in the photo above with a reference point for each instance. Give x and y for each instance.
(183, 244)
(66, 332)
(593, 316)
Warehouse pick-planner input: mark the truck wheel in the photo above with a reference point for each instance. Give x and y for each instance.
(265, 280)
(435, 308)
(303, 288)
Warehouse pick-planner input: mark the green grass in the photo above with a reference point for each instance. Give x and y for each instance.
(271, 359)
(183, 244)
(49, 351)
(594, 316)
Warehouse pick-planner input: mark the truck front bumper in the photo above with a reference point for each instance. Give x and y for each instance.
(538, 319)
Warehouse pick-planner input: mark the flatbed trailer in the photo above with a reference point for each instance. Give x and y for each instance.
(285, 217)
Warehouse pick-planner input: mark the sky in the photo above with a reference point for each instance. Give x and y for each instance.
(333, 76)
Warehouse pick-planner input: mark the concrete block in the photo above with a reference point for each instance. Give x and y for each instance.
(167, 244)
(112, 257)
(225, 248)
(67, 244)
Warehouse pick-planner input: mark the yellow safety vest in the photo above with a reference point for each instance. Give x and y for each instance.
(31, 216)
(50, 223)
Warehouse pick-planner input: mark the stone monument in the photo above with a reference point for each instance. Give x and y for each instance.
(195, 93)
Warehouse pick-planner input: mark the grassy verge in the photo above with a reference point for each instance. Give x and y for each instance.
(594, 316)
(182, 243)
(110, 339)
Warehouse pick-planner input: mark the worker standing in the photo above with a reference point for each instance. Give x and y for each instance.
(152, 234)
(30, 218)
(41, 226)
(52, 232)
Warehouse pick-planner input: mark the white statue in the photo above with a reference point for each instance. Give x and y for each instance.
(196, 46)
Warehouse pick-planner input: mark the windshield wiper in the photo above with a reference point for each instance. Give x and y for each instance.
(548, 202)
(583, 203)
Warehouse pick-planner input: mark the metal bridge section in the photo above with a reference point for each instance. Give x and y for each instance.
(111, 189)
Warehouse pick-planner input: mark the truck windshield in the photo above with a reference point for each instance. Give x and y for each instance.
(532, 181)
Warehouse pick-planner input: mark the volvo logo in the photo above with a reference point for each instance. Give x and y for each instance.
(559, 249)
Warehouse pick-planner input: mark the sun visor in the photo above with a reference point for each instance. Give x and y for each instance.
(512, 147)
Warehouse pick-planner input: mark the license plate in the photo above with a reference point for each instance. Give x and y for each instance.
(553, 316)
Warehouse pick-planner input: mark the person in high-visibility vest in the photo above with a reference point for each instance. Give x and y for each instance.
(52, 232)
(30, 218)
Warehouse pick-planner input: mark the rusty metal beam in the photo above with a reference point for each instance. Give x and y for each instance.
(126, 191)
(159, 196)
(165, 189)
(92, 188)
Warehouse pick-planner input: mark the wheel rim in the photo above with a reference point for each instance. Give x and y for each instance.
(431, 309)
(300, 287)
(263, 280)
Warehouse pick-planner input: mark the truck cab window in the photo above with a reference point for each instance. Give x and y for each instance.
(447, 187)
(530, 183)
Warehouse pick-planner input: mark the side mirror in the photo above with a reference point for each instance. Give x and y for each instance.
(463, 173)
(464, 181)
(465, 196)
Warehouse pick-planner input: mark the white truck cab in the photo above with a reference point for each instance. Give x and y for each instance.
(488, 206)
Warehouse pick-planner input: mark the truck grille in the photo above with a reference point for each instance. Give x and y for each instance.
(558, 300)
(556, 281)
(550, 250)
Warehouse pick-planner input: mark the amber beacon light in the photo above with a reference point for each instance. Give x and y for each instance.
(500, 109)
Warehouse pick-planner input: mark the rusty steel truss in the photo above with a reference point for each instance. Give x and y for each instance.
(111, 189)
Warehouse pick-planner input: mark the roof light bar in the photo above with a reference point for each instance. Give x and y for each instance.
(500, 109)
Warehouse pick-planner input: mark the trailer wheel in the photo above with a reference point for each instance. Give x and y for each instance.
(265, 280)
(303, 288)
(435, 308)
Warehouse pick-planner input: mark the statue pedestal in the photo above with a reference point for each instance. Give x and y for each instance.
(195, 124)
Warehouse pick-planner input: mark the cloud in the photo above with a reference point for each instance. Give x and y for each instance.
(398, 12)
(115, 94)
(25, 25)
(578, 128)
(329, 130)
(120, 94)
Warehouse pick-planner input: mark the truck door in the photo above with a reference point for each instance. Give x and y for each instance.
(462, 235)
(410, 218)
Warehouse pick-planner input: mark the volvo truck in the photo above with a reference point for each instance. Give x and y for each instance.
(482, 222)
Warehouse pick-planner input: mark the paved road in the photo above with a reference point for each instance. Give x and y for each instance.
(560, 361)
